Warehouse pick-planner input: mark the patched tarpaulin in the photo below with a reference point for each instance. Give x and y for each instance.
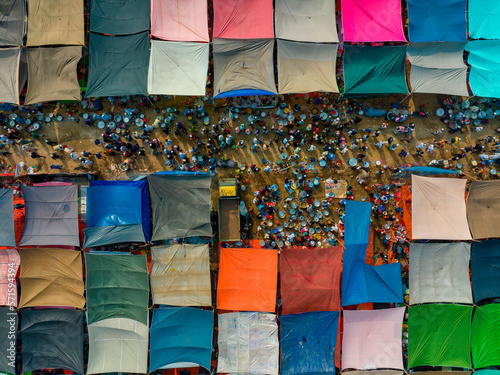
(178, 68)
(11, 22)
(52, 338)
(8, 339)
(119, 17)
(7, 234)
(485, 269)
(243, 19)
(180, 204)
(55, 22)
(483, 17)
(484, 59)
(306, 21)
(51, 277)
(310, 280)
(185, 21)
(438, 209)
(51, 216)
(372, 21)
(10, 59)
(118, 65)
(306, 67)
(247, 280)
(372, 339)
(438, 68)
(442, 22)
(180, 275)
(248, 343)
(9, 264)
(439, 335)
(439, 272)
(52, 74)
(117, 287)
(243, 67)
(375, 70)
(181, 338)
(485, 343)
(308, 342)
(118, 345)
(483, 209)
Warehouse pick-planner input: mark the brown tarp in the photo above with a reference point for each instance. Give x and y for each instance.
(483, 209)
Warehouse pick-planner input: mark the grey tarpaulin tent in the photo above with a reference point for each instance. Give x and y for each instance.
(119, 17)
(9, 75)
(11, 22)
(8, 336)
(7, 233)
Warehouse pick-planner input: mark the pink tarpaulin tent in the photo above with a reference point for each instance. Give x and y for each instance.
(180, 21)
(372, 21)
(9, 264)
(243, 19)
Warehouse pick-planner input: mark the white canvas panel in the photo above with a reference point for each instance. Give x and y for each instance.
(9, 75)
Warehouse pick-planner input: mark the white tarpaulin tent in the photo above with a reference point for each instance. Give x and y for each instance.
(438, 68)
(306, 67)
(180, 275)
(248, 343)
(118, 345)
(439, 272)
(306, 20)
(178, 68)
(9, 75)
(438, 209)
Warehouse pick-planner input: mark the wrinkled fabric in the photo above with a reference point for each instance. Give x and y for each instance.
(483, 16)
(484, 59)
(119, 17)
(9, 323)
(485, 344)
(7, 232)
(12, 26)
(483, 209)
(485, 269)
(9, 265)
(10, 59)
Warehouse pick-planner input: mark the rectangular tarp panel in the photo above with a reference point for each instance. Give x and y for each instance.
(306, 67)
(185, 21)
(483, 17)
(485, 344)
(119, 17)
(11, 22)
(8, 339)
(9, 265)
(7, 233)
(484, 59)
(485, 269)
(178, 68)
(10, 59)
(483, 209)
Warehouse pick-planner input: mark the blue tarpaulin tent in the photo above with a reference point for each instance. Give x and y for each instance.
(425, 171)
(485, 269)
(484, 59)
(483, 19)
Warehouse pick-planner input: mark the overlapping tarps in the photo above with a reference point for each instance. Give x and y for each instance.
(181, 338)
(484, 59)
(178, 68)
(243, 19)
(180, 275)
(483, 19)
(247, 280)
(8, 339)
(483, 209)
(55, 22)
(439, 272)
(248, 343)
(9, 265)
(119, 17)
(7, 234)
(12, 22)
(117, 287)
(431, 22)
(438, 68)
(485, 336)
(10, 59)
(375, 70)
(372, 21)
(438, 209)
(439, 335)
(310, 280)
(308, 342)
(485, 269)
(185, 21)
(118, 345)
(306, 67)
(243, 67)
(361, 282)
(52, 74)
(181, 205)
(51, 216)
(52, 338)
(306, 21)
(118, 65)
(372, 339)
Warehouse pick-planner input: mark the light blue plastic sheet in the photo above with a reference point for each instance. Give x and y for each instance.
(483, 19)
(485, 269)
(484, 59)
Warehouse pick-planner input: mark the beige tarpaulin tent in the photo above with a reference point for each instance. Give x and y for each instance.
(51, 277)
(483, 209)
(9, 75)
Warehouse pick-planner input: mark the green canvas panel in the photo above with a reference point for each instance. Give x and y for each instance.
(486, 336)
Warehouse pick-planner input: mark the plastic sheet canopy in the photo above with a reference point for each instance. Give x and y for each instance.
(8, 339)
(375, 70)
(51, 216)
(7, 234)
(485, 344)
(438, 209)
(438, 68)
(306, 67)
(484, 59)
(439, 335)
(483, 209)
(308, 342)
(372, 339)
(181, 338)
(180, 204)
(117, 287)
(10, 59)
(483, 19)
(306, 21)
(12, 26)
(248, 343)
(439, 272)
(9, 265)
(247, 280)
(178, 68)
(310, 280)
(485, 269)
(119, 17)
(185, 21)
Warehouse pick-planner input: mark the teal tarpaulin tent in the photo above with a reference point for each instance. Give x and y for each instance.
(484, 59)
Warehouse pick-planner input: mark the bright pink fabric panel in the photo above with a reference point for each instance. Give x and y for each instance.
(9, 265)
(243, 19)
(372, 21)
(180, 20)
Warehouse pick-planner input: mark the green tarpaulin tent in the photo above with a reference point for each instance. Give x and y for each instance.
(486, 336)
